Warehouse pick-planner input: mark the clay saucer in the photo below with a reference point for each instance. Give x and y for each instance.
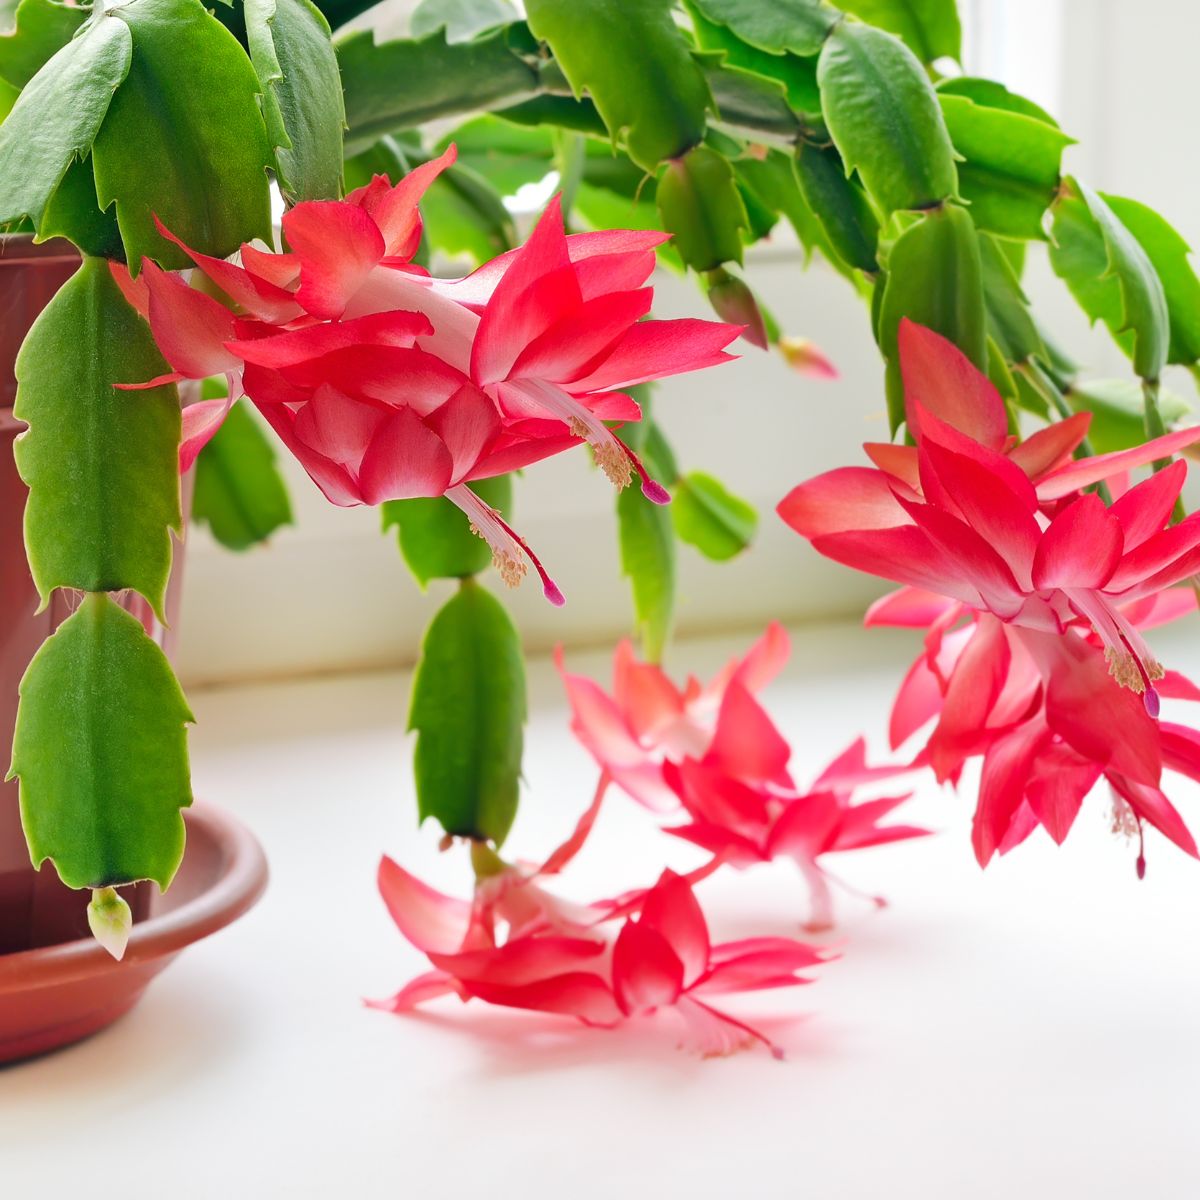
(55, 995)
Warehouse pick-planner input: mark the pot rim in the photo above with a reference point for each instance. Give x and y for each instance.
(242, 880)
(21, 248)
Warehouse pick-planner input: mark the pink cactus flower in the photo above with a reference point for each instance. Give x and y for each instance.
(388, 384)
(714, 753)
(1002, 527)
(659, 960)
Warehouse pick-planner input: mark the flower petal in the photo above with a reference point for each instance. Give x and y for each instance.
(405, 459)
(941, 380)
(338, 245)
(427, 918)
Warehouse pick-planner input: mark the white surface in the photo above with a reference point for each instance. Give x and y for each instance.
(1030, 1031)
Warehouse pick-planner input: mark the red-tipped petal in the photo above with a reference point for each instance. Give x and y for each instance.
(671, 909)
(940, 379)
(647, 973)
(338, 246)
(847, 498)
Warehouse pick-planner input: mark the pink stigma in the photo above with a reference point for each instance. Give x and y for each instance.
(653, 491)
(550, 589)
(1151, 701)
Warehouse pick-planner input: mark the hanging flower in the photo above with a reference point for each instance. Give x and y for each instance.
(1041, 714)
(388, 384)
(1003, 528)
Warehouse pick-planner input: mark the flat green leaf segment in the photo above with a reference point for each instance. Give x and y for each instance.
(647, 544)
(1111, 276)
(101, 464)
(840, 207)
(1118, 411)
(707, 515)
(42, 29)
(1168, 254)
(885, 118)
(935, 278)
(396, 85)
(797, 75)
(101, 752)
(302, 95)
(57, 117)
(239, 492)
(435, 536)
(184, 137)
(461, 19)
(1011, 170)
(700, 206)
(468, 710)
(929, 28)
(798, 26)
(634, 62)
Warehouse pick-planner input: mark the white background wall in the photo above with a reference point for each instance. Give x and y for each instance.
(333, 593)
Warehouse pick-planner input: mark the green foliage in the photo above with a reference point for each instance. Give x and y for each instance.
(435, 536)
(239, 493)
(188, 146)
(795, 26)
(468, 709)
(707, 515)
(634, 62)
(700, 205)
(1009, 321)
(74, 212)
(101, 464)
(507, 155)
(797, 74)
(929, 28)
(461, 19)
(1111, 276)
(1116, 405)
(885, 118)
(57, 117)
(840, 206)
(42, 29)
(648, 562)
(1011, 170)
(302, 95)
(101, 752)
(751, 102)
(934, 277)
(464, 214)
(990, 94)
(396, 85)
(1168, 254)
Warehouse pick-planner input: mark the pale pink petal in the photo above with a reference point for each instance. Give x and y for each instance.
(200, 424)
(427, 918)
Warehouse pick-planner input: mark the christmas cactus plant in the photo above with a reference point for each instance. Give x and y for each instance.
(150, 134)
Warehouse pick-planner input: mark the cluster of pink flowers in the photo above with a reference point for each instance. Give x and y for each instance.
(710, 760)
(387, 383)
(1034, 594)
(707, 755)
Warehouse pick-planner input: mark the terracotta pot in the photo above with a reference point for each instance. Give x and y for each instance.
(56, 995)
(35, 909)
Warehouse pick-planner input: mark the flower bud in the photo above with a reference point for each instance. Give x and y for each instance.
(734, 302)
(110, 920)
(807, 358)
